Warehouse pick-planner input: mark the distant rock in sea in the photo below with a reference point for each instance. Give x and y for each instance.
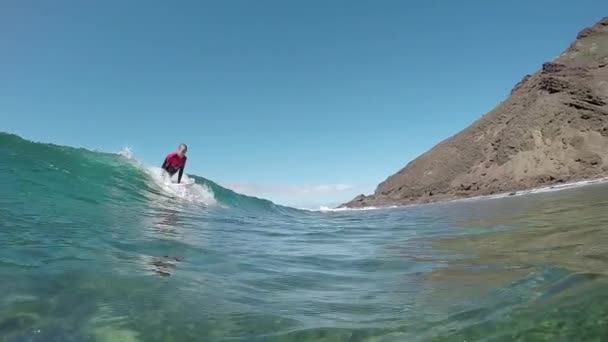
(553, 128)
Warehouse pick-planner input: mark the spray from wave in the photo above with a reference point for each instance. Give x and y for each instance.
(187, 190)
(109, 178)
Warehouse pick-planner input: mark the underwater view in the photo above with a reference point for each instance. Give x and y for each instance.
(99, 247)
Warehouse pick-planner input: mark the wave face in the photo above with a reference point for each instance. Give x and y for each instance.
(99, 247)
(67, 174)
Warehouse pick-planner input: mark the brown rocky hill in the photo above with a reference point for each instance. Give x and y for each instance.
(553, 128)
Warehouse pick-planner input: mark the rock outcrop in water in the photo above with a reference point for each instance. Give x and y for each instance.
(553, 128)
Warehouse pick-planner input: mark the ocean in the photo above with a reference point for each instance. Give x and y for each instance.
(100, 247)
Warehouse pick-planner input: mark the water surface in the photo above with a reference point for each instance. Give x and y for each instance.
(95, 247)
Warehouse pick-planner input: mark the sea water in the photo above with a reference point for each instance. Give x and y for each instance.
(98, 247)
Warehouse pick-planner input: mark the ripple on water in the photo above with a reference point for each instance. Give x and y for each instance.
(513, 268)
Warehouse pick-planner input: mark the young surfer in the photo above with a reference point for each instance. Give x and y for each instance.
(176, 162)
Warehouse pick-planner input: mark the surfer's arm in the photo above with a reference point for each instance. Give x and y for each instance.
(181, 172)
(164, 164)
(179, 176)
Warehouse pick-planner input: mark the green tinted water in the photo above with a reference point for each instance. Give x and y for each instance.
(94, 250)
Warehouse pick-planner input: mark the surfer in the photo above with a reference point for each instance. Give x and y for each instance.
(176, 161)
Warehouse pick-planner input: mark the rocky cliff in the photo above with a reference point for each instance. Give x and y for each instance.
(552, 128)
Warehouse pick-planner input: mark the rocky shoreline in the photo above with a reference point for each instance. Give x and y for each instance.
(552, 129)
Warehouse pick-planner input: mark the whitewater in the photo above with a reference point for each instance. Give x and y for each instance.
(100, 247)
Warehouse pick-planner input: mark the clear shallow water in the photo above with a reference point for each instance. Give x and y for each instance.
(95, 249)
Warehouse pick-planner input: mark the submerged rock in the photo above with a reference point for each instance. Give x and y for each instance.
(20, 321)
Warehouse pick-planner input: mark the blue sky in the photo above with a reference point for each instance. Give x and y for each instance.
(302, 102)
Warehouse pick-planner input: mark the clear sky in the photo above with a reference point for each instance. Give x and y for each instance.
(302, 102)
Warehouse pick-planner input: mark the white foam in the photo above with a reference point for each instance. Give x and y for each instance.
(126, 152)
(328, 209)
(187, 190)
(551, 188)
(565, 186)
(544, 189)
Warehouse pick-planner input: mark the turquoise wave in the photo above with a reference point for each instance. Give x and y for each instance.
(67, 174)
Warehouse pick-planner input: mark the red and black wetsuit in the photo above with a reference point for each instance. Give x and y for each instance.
(174, 163)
